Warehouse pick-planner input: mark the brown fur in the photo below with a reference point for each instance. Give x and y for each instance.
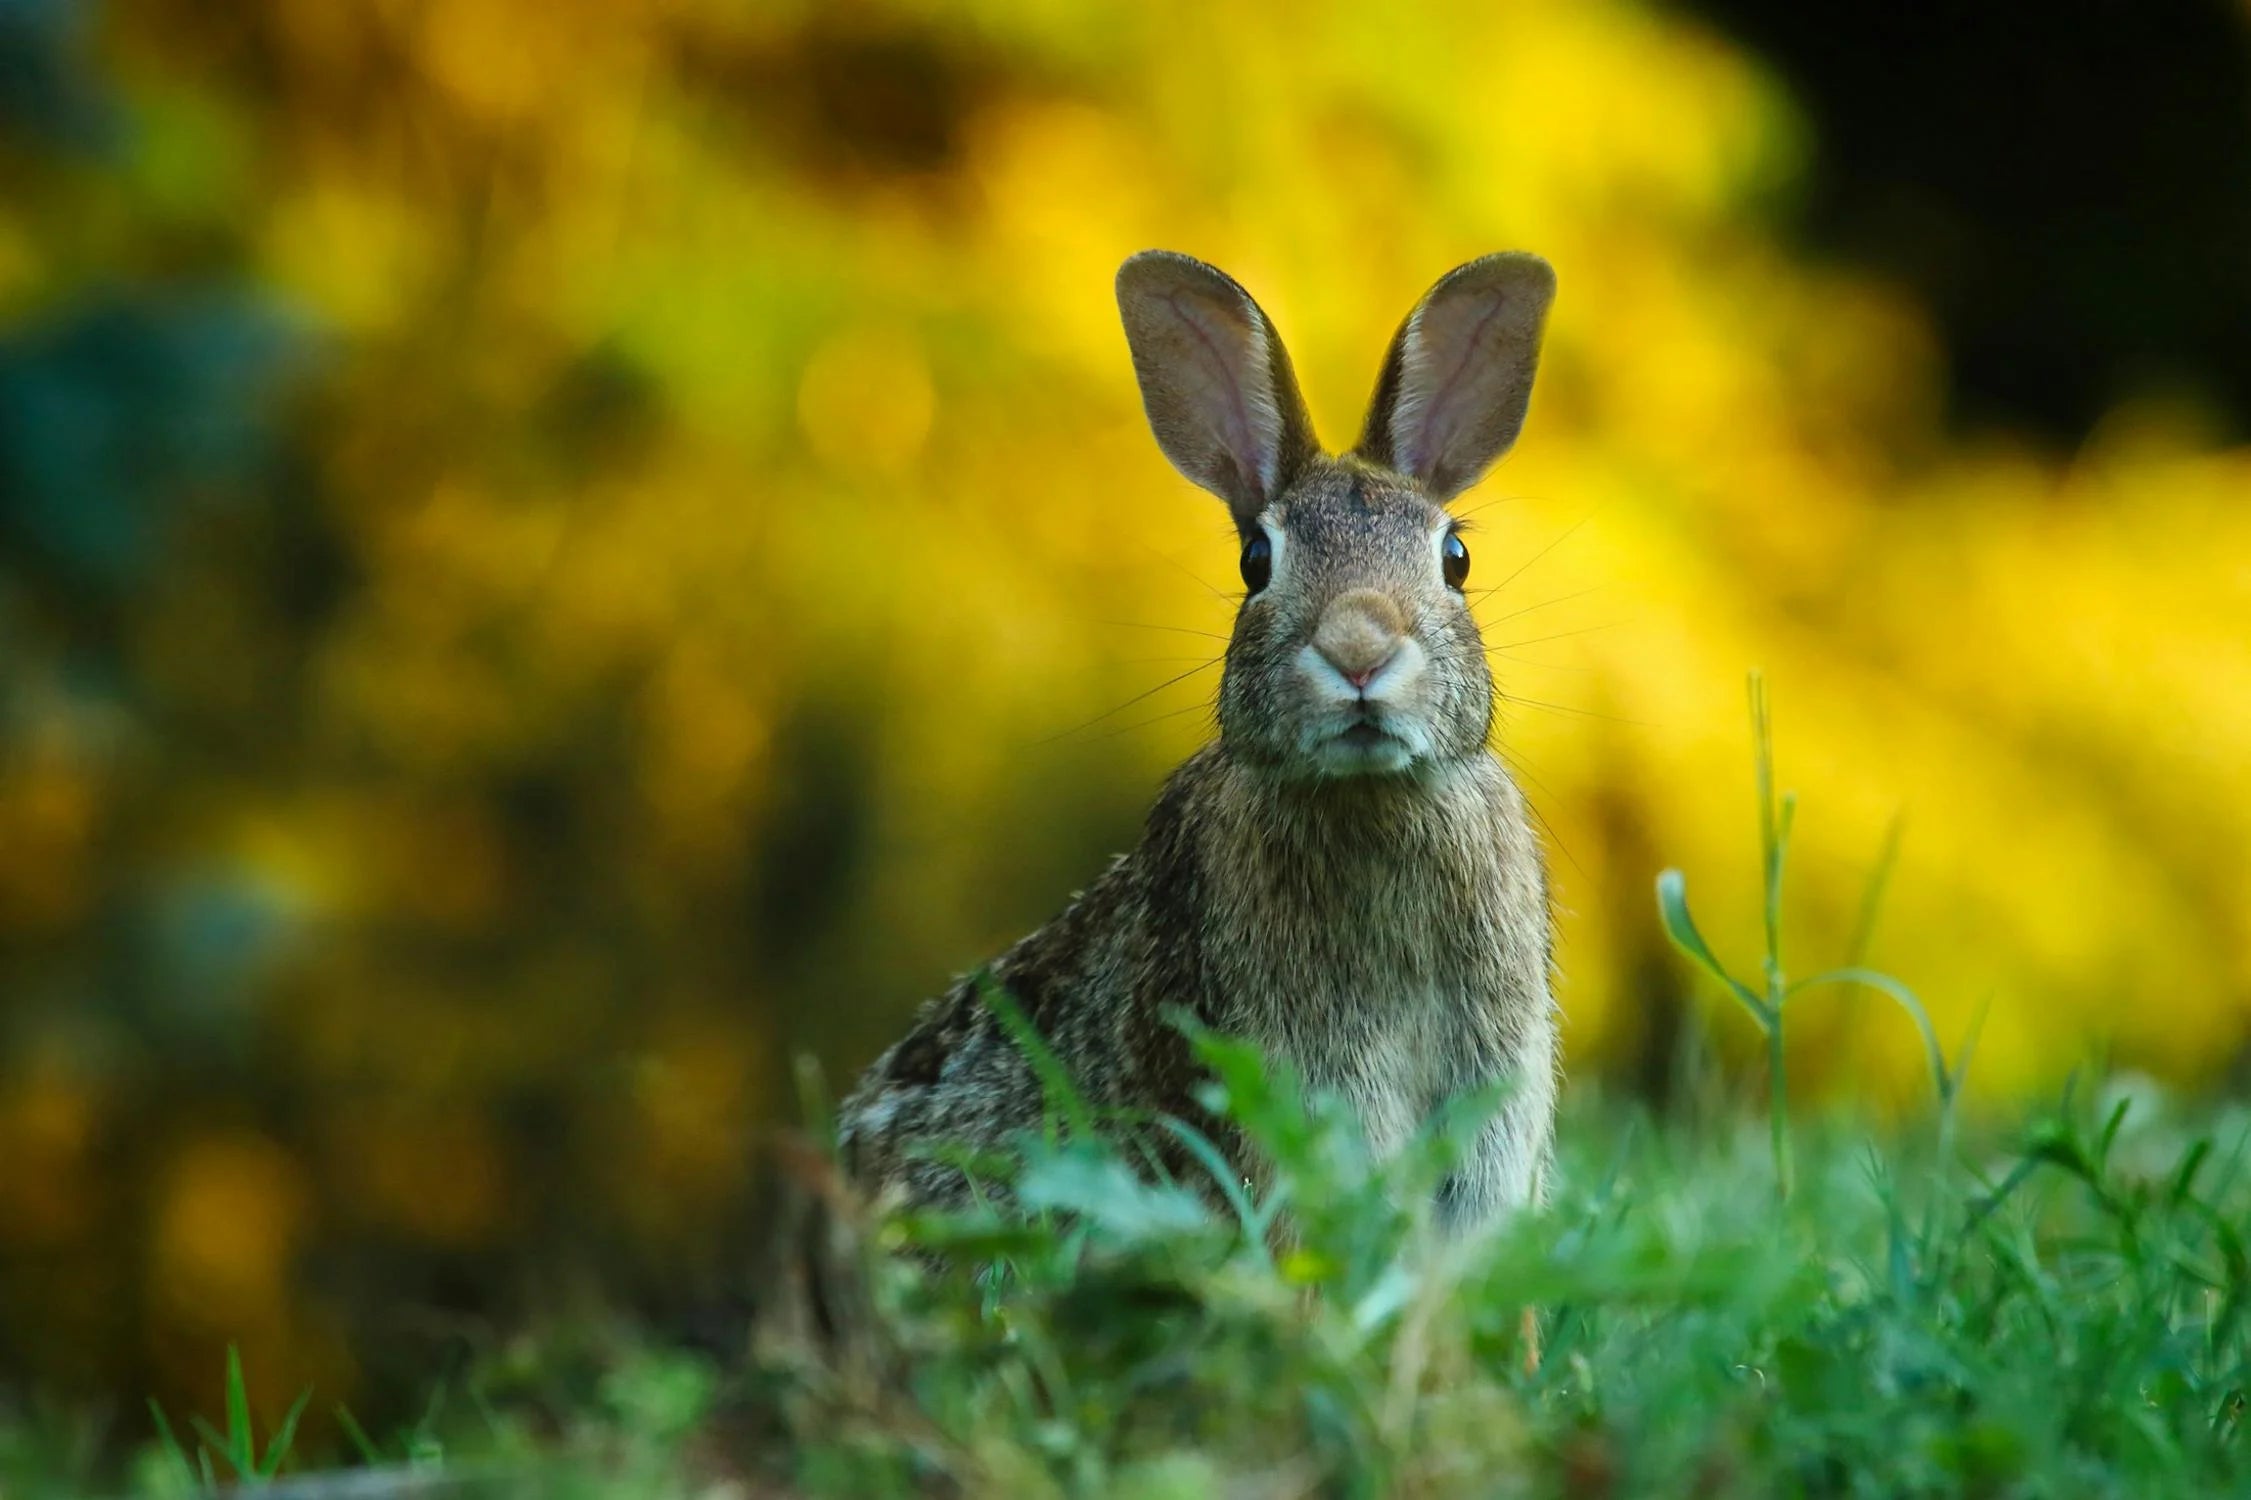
(1347, 876)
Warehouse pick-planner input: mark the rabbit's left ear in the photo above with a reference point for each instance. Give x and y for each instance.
(1458, 376)
(1215, 380)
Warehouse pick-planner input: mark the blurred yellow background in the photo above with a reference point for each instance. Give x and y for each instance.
(692, 530)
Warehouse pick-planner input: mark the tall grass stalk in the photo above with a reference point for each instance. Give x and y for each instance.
(1767, 1003)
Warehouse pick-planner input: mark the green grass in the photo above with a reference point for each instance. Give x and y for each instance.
(2054, 1312)
(2058, 1312)
(1728, 1306)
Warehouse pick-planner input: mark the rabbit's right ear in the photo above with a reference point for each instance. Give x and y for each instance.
(1215, 380)
(1458, 377)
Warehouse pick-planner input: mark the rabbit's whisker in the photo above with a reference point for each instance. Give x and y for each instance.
(1130, 702)
(1516, 763)
(1566, 535)
(1544, 666)
(1503, 648)
(1558, 636)
(1451, 657)
(1209, 635)
(1543, 604)
(1153, 719)
(1221, 595)
(1565, 708)
(1486, 505)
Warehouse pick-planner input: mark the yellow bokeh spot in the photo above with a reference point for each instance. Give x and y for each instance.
(230, 1213)
(865, 402)
(49, 1190)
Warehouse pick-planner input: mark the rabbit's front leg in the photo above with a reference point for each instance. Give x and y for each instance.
(1506, 1168)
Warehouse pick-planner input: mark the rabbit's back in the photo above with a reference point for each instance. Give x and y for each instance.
(1095, 984)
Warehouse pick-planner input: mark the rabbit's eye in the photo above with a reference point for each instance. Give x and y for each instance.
(1258, 563)
(1454, 560)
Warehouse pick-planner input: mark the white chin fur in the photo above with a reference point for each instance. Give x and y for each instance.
(1326, 750)
(1340, 758)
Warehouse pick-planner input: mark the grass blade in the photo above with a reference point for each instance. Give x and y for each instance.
(1872, 895)
(241, 1449)
(171, 1444)
(361, 1443)
(1063, 1096)
(284, 1435)
(214, 1438)
(1874, 979)
(1672, 914)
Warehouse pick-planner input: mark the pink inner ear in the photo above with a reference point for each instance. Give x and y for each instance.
(1223, 383)
(1248, 428)
(1440, 411)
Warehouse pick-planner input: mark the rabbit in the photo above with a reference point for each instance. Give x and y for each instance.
(1348, 876)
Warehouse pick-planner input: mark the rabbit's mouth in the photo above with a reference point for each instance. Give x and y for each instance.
(1363, 747)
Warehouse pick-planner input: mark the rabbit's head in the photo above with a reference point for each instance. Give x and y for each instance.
(1355, 652)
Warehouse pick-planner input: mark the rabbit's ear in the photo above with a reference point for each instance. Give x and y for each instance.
(1215, 380)
(1458, 377)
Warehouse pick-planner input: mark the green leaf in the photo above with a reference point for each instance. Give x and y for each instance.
(1102, 1190)
(1223, 1174)
(1672, 912)
(2110, 1127)
(2237, 1264)
(1063, 1096)
(1264, 1096)
(1874, 979)
(970, 1236)
(2184, 1176)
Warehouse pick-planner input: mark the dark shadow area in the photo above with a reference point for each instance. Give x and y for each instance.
(2066, 186)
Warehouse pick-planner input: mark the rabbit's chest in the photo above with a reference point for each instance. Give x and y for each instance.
(1397, 1024)
(1397, 998)
(1391, 942)
(1406, 1056)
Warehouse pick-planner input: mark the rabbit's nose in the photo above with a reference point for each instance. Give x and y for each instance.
(1359, 632)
